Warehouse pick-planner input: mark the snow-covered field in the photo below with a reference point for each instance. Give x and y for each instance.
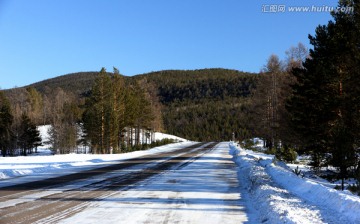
(283, 197)
(14, 170)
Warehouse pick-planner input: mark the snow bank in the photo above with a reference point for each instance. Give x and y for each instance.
(271, 183)
(160, 136)
(274, 204)
(347, 205)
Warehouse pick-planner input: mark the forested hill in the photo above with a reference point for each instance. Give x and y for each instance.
(205, 104)
(202, 105)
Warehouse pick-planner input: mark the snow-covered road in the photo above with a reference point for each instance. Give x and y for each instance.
(196, 186)
(203, 191)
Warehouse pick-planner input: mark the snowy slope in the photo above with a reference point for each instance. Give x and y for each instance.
(283, 196)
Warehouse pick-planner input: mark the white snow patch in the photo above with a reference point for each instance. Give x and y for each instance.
(160, 136)
(43, 129)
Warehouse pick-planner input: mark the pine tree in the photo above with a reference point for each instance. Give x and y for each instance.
(98, 113)
(325, 106)
(117, 107)
(344, 130)
(6, 120)
(28, 136)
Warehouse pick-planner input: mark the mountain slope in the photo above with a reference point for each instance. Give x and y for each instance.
(78, 83)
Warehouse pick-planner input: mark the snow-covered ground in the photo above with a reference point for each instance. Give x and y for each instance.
(14, 170)
(283, 197)
(43, 129)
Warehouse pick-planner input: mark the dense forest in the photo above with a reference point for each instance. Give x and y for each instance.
(205, 104)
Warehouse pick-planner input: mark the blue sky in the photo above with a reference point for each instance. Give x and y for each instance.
(41, 39)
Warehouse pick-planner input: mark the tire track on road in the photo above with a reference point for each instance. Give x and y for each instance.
(60, 205)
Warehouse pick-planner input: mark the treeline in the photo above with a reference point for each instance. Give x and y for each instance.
(314, 106)
(112, 116)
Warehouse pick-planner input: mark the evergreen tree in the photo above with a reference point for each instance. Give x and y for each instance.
(98, 112)
(6, 119)
(325, 103)
(117, 108)
(138, 113)
(28, 136)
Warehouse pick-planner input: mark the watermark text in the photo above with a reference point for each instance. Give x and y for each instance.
(276, 8)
